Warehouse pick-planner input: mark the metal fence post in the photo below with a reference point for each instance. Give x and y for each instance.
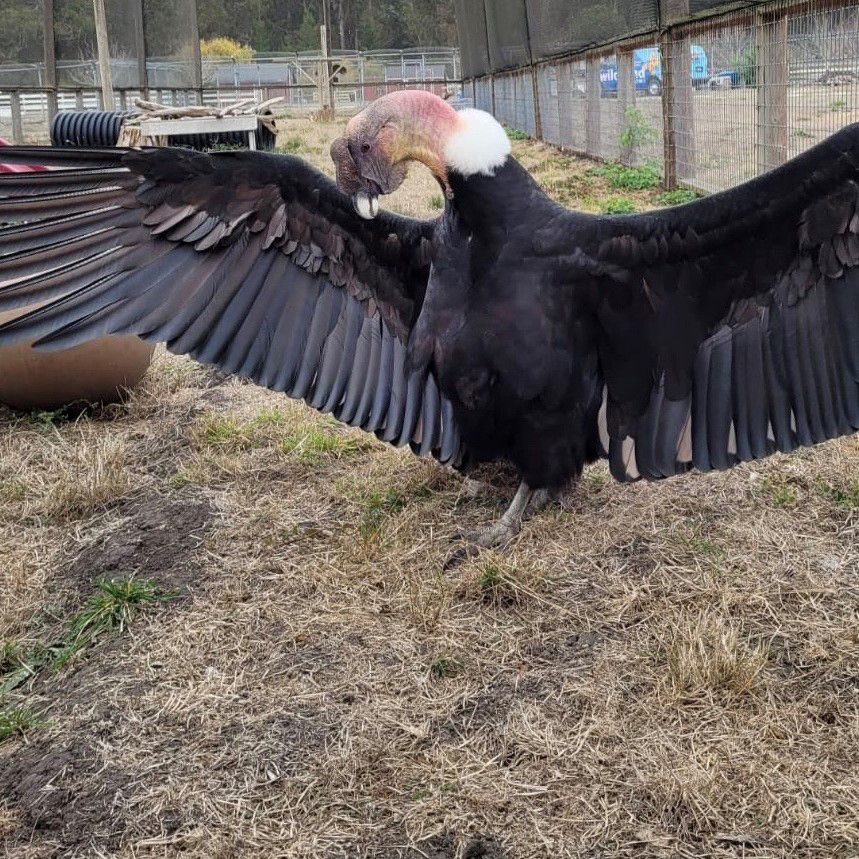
(592, 115)
(771, 91)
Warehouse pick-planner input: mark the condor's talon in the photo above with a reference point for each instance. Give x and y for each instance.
(497, 535)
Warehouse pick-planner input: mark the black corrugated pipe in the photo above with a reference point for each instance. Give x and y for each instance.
(102, 128)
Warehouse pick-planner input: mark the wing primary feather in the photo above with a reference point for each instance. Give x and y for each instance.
(740, 383)
(358, 374)
(354, 328)
(212, 283)
(645, 433)
(382, 393)
(700, 398)
(449, 444)
(365, 403)
(810, 377)
(399, 388)
(255, 336)
(216, 349)
(324, 319)
(412, 411)
(430, 417)
(290, 338)
(776, 378)
(719, 401)
(294, 303)
(332, 354)
(673, 415)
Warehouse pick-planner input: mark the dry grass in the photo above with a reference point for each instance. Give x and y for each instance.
(659, 670)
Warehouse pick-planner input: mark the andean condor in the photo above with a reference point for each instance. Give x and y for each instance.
(509, 328)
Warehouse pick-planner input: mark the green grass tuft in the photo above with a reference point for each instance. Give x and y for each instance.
(516, 134)
(780, 491)
(114, 605)
(291, 145)
(675, 198)
(629, 178)
(17, 721)
(844, 497)
(313, 445)
(378, 506)
(436, 201)
(445, 666)
(617, 206)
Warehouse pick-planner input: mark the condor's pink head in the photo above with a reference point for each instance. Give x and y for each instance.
(372, 158)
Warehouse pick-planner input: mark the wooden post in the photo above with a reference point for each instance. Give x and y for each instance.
(592, 116)
(17, 122)
(538, 115)
(50, 56)
(771, 91)
(324, 69)
(195, 48)
(140, 48)
(103, 51)
(678, 110)
(625, 98)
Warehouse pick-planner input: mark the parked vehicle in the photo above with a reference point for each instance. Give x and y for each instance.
(647, 68)
(727, 79)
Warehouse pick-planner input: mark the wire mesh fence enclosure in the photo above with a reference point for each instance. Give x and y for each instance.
(709, 101)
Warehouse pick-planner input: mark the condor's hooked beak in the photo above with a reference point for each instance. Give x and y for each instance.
(364, 194)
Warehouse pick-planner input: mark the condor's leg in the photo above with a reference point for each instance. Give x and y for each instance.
(501, 532)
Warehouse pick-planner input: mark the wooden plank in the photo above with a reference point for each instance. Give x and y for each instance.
(771, 92)
(197, 125)
(592, 116)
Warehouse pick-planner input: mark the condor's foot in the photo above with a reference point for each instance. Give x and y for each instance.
(502, 532)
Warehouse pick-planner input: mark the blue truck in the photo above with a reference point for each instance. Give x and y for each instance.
(647, 68)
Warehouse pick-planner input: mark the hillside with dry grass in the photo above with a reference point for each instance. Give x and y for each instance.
(226, 631)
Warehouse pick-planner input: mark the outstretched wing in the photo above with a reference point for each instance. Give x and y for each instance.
(253, 262)
(728, 328)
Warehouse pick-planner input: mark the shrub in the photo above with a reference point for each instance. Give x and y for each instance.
(637, 131)
(224, 46)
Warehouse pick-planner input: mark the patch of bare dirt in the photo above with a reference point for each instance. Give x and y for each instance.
(155, 537)
(64, 796)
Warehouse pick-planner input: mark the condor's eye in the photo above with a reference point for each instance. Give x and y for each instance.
(365, 148)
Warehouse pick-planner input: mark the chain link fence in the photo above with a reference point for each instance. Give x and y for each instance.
(711, 97)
